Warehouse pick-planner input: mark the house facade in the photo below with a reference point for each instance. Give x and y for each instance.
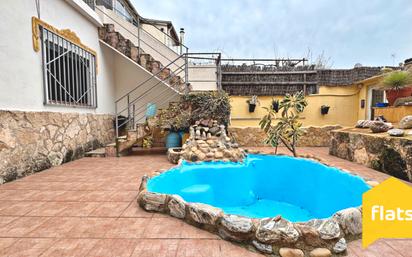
(347, 93)
(67, 68)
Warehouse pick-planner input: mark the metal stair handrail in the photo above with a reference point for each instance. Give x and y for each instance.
(154, 75)
(131, 102)
(147, 91)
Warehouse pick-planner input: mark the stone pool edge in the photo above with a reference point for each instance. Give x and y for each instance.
(278, 236)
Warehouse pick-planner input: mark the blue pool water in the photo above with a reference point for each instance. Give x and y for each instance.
(265, 186)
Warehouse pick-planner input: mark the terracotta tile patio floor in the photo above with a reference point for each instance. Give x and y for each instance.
(88, 208)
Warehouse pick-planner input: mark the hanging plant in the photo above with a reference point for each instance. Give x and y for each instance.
(324, 109)
(275, 105)
(252, 103)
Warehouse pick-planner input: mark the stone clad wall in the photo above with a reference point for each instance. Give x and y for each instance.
(378, 151)
(34, 141)
(313, 137)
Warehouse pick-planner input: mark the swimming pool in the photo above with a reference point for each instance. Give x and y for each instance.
(262, 186)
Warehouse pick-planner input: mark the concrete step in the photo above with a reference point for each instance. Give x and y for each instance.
(99, 152)
(147, 151)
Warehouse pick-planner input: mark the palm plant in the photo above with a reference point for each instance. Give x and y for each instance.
(397, 80)
(288, 129)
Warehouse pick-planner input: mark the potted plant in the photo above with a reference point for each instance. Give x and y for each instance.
(174, 119)
(252, 103)
(396, 85)
(275, 105)
(147, 142)
(324, 109)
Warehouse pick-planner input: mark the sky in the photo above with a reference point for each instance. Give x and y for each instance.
(345, 32)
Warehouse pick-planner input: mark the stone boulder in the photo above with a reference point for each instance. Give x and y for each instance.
(396, 132)
(406, 122)
(152, 201)
(264, 248)
(350, 220)
(177, 206)
(310, 235)
(364, 123)
(204, 213)
(236, 228)
(380, 126)
(328, 228)
(320, 252)
(291, 252)
(340, 246)
(275, 230)
(237, 224)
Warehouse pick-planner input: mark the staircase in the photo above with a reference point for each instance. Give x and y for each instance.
(167, 82)
(167, 73)
(131, 142)
(172, 75)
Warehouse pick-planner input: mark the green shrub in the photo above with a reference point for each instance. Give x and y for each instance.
(208, 105)
(193, 107)
(288, 129)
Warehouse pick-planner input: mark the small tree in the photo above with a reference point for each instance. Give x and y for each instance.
(288, 129)
(397, 80)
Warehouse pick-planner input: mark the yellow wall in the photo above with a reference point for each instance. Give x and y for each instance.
(365, 86)
(344, 109)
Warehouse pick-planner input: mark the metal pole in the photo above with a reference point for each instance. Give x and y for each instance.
(220, 72)
(128, 108)
(134, 111)
(304, 85)
(116, 121)
(186, 67)
(138, 39)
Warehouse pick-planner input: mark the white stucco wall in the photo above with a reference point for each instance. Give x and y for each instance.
(21, 75)
(165, 36)
(202, 77)
(129, 75)
(149, 43)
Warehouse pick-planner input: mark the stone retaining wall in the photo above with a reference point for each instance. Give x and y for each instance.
(34, 141)
(378, 151)
(313, 137)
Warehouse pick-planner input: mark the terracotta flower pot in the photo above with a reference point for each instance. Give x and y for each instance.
(393, 94)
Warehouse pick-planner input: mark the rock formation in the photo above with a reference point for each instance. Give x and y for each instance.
(380, 126)
(396, 132)
(208, 141)
(406, 122)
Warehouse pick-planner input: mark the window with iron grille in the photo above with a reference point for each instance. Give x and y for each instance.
(69, 72)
